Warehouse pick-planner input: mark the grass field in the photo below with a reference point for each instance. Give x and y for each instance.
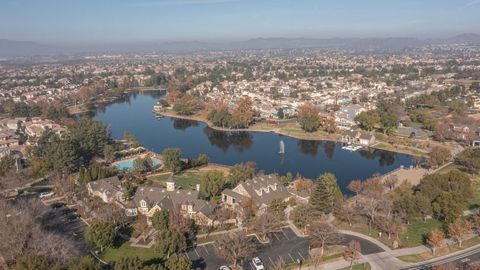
(411, 258)
(187, 180)
(125, 250)
(417, 231)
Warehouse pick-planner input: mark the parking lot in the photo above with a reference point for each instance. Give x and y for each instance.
(64, 220)
(284, 245)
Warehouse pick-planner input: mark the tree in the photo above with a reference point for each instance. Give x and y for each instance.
(128, 263)
(345, 213)
(322, 234)
(390, 181)
(280, 113)
(352, 253)
(32, 262)
(326, 195)
(367, 120)
(388, 122)
(388, 224)
(172, 159)
(85, 263)
(435, 239)
(235, 246)
(265, 224)
(355, 186)
(160, 220)
(277, 208)
(6, 163)
(438, 156)
(242, 115)
(458, 229)
(241, 172)
(308, 117)
(142, 165)
(469, 159)
(212, 183)
(91, 135)
(170, 241)
(302, 215)
(101, 235)
(447, 207)
(178, 263)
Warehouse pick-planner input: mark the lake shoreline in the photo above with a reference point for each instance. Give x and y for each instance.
(317, 136)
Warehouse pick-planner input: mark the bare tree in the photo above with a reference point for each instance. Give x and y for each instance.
(345, 213)
(22, 231)
(235, 246)
(322, 234)
(265, 224)
(390, 225)
(352, 253)
(391, 181)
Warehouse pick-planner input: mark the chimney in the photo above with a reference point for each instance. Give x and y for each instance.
(197, 187)
(170, 186)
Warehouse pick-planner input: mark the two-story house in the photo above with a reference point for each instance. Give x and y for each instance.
(108, 189)
(262, 190)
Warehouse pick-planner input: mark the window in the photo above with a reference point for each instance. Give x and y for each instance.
(143, 204)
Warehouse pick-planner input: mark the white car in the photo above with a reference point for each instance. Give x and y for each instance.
(224, 267)
(257, 263)
(46, 194)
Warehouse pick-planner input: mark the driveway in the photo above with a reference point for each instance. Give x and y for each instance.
(284, 245)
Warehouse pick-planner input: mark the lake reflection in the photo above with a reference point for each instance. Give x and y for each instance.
(309, 158)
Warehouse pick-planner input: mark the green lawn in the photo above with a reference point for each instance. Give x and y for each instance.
(187, 180)
(360, 266)
(125, 250)
(411, 258)
(417, 230)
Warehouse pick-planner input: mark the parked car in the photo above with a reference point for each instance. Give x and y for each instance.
(48, 194)
(224, 267)
(257, 263)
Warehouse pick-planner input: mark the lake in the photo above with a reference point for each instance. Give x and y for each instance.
(309, 158)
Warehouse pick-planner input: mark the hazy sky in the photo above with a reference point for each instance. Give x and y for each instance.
(107, 21)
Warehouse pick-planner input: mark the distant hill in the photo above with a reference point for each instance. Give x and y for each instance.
(10, 48)
(15, 48)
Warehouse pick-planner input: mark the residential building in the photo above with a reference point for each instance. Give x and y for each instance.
(109, 189)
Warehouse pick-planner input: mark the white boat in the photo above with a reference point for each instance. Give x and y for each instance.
(282, 148)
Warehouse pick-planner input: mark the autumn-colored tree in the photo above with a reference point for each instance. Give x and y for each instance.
(243, 113)
(308, 117)
(352, 253)
(438, 156)
(173, 96)
(435, 239)
(458, 229)
(302, 184)
(355, 186)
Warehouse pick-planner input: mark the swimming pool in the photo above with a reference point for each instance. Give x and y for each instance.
(128, 164)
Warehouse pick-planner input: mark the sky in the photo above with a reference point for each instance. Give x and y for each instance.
(131, 21)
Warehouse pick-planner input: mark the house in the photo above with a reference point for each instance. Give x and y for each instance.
(366, 139)
(149, 200)
(476, 139)
(350, 136)
(261, 190)
(109, 189)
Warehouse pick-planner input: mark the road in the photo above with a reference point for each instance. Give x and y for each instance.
(461, 261)
(284, 245)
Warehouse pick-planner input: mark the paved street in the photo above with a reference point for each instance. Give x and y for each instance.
(285, 244)
(461, 261)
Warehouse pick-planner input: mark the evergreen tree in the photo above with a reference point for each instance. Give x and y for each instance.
(326, 195)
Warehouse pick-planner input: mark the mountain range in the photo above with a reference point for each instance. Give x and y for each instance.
(11, 48)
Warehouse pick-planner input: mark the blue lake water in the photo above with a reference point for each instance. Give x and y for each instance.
(309, 158)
